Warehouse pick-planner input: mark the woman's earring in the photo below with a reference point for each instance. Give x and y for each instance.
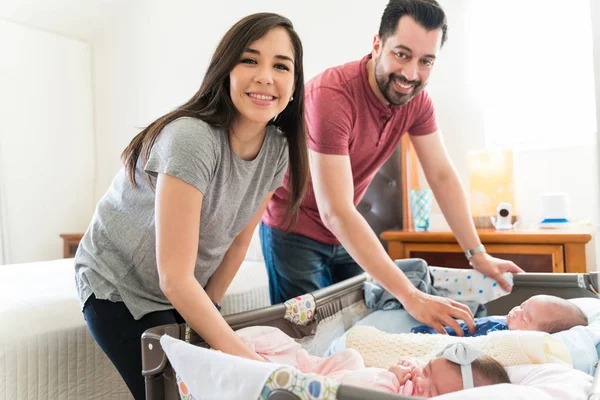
(291, 99)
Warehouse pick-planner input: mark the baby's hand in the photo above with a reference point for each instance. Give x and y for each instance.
(402, 373)
(411, 363)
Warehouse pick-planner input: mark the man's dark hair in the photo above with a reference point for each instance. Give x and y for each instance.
(427, 13)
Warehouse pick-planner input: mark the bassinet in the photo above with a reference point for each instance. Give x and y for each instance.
(160, 377)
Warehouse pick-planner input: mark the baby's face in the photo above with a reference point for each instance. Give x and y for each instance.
(530, 314)
(437, 377)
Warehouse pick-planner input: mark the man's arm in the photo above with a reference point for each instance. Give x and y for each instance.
(219, 282)
(334, 192)
(450, 195)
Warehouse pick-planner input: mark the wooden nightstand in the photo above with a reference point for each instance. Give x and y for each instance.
(70, 243)
(536, 250)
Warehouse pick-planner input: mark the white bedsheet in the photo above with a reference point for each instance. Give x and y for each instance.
(46, 351)
(37, 297)
(45, 348)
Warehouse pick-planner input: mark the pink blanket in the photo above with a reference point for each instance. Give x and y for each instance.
(346, 367)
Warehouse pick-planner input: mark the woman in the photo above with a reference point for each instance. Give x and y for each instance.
(170, 234)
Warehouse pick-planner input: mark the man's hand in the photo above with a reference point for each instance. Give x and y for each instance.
(438, 312)
(494, 268)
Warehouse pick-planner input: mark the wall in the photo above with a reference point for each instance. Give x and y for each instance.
(154, 57)
(46, 140)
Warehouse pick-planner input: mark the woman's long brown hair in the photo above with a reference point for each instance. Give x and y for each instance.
(212, 104)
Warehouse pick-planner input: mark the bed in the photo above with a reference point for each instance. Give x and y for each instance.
(337, 304)
(46, 350)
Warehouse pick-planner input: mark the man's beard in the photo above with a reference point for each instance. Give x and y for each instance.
(386, 87)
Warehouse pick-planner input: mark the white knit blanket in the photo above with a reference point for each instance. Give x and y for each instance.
(382, 350)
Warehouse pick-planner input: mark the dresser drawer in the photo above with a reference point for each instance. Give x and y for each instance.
(531, 258)
(534, 250)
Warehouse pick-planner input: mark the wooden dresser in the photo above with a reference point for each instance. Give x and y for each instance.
(535, 250)
(70, 243)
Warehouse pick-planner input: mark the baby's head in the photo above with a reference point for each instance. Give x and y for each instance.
(441, 376)
(545, 313)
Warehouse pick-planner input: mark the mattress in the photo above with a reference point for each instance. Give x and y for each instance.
(46, 350)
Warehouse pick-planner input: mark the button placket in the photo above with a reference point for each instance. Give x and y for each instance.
(383, 131)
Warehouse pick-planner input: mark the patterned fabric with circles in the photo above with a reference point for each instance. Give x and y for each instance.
(184, 393)
(300, 310)
(304, 386)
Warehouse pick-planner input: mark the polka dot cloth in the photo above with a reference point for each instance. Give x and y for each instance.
(467, 284)
(304, 386)
(300, 310)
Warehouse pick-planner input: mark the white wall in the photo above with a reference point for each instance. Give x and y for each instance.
(155, 55)
(46, 140)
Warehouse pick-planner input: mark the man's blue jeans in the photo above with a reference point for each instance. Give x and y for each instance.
(297, 265)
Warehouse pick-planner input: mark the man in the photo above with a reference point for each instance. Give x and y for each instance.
(356, 114)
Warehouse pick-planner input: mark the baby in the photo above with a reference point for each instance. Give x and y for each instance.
(543, 313)
(459, 366)
(447, 373)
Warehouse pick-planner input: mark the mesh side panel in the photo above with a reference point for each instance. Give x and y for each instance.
(333, 327)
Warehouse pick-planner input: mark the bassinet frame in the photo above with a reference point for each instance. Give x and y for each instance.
(160, 377)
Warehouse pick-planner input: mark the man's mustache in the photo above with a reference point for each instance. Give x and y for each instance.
(401, 79)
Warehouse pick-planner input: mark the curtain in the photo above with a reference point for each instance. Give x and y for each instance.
(4, 243)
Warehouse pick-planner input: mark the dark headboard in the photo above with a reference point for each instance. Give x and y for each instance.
(382, 204)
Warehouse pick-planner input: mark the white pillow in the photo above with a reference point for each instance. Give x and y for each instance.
(583, 342)
(208, 371)
(538, 381)
(590, 307)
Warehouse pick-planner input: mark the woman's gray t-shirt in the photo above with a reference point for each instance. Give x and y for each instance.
(116, 259)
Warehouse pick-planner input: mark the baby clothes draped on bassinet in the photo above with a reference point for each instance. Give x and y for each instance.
(468, 286)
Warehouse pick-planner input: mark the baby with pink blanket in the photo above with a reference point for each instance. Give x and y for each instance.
(457, 367)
